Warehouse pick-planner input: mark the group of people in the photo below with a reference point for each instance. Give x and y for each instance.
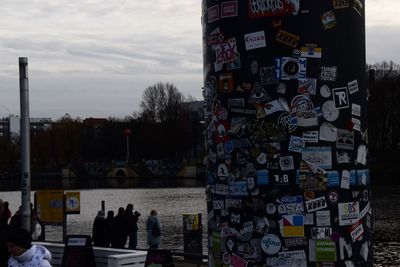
(115, 231)
(16, 249)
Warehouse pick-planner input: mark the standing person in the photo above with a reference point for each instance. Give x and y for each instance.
(16, 218)
(118, 229)
(23, 253)
(153, 228)
(131, 220)
(4, 255)
(99, 231)
(6, 213)
(110, 229)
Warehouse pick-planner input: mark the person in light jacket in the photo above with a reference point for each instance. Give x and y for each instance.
(153, 228)
(23, 253)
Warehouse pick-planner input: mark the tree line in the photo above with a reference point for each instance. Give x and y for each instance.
(163, 129)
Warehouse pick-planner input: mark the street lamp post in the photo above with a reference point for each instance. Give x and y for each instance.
(127, 133)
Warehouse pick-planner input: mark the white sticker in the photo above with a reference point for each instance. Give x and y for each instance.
(323, 218)
(329, 111)
(348, 213)
(362, 154)
(316, 204)
(286, 163)
(353, 87)
(356, 110)
(325, 91)
(327, 132)
(356, 124)
(310, 137)
(271, 244)
(254, 40)
(345, 183)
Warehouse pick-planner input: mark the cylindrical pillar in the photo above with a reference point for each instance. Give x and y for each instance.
(25, 145)
(286, 136)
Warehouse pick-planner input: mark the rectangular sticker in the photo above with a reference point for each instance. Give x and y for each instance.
(328, 74)
(316, 204)
(311, 52)
(268, 8)
(295, 258)
(321, 232)
(323, 218)
(291, 205)
(293, 225)
(296, 144)
(307, 86)
(348, 213)
(226, 51)
(287, 38)
(326, 251)
(310, 137)
(229, 9)
(213, 13)
(288, 68)
(319, 156)
(353, 87)
(341, 97)
(340, 4)
(345, 139)
(254, 40)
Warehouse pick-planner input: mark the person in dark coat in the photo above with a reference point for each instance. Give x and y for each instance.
(16, 221)
(99, 231)
(6, 213)
(131, 220)
(4, 229)
(119, 236)
(110, 230)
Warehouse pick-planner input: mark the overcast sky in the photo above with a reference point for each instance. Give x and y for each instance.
(94, 58)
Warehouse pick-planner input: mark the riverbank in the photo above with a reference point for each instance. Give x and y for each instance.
(74, 183)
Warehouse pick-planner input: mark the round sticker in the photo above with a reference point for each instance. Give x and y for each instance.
(271, 208)
(281, 88)
(270, 244)
(329, 111)
(308, 195)
(325, 91)
(262, 158)
(301, 103)
(291, 67)
(333, 197)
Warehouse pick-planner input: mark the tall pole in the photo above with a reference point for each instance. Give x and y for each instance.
(127, 148)
(25, 145)
(286, 139)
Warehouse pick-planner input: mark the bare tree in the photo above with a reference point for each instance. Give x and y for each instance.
(161, 102)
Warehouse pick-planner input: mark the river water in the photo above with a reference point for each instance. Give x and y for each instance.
(171, 203)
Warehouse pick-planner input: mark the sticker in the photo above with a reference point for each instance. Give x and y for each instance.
(267, 75)
(307, 86)
(340, 4)
(236, 102)
(313, 181)
(327, 132)
(273, 106)
(333, 197)
(235, 64)
(361, 155)
(309, 219)
(356, 110)
(295, 258)
(346, 250)
(288, 68)
(307, 118)
(310, 137)
(345, 139)
(262, 158)
(226, 258)
(323, 218)
(268, 8)
(328, 74)
(288, 120)
(318, 156)
(229, 9)
(342, 157)
(293, 225)
(301, 103)
(341, 97)
(225, 83)
(286, 163)
(358, 6)
(218, 204)
(316, 204)
(281, 88)
(287, 38)
(262, 177)
(345, 182)
(308, 195)
(281, 180)
(271, 244)
(270, 208)
(254, 40)
(356, 124)
(291, 205)
(321, 232)
(356, 231)
(213, 13)
(247, 227)
(296, 242)
(258, 95)
(296, 144)
(348, 213)
(228, 147)
(311, 52)
(328, 20)
(329, 111)
(226, 51)
(238, 261)
(353, 87)
(325, 91)
(325, 251)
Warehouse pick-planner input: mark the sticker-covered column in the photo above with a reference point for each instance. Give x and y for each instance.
(286, 133)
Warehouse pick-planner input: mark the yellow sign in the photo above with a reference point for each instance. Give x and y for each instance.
(50, 206)
(191, 221)
(73, 202)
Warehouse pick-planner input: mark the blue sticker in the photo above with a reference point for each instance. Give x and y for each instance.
(238, 188)
(228, 147)
(333, 178)
(363, 176)
(353, 177)
(262, 177)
